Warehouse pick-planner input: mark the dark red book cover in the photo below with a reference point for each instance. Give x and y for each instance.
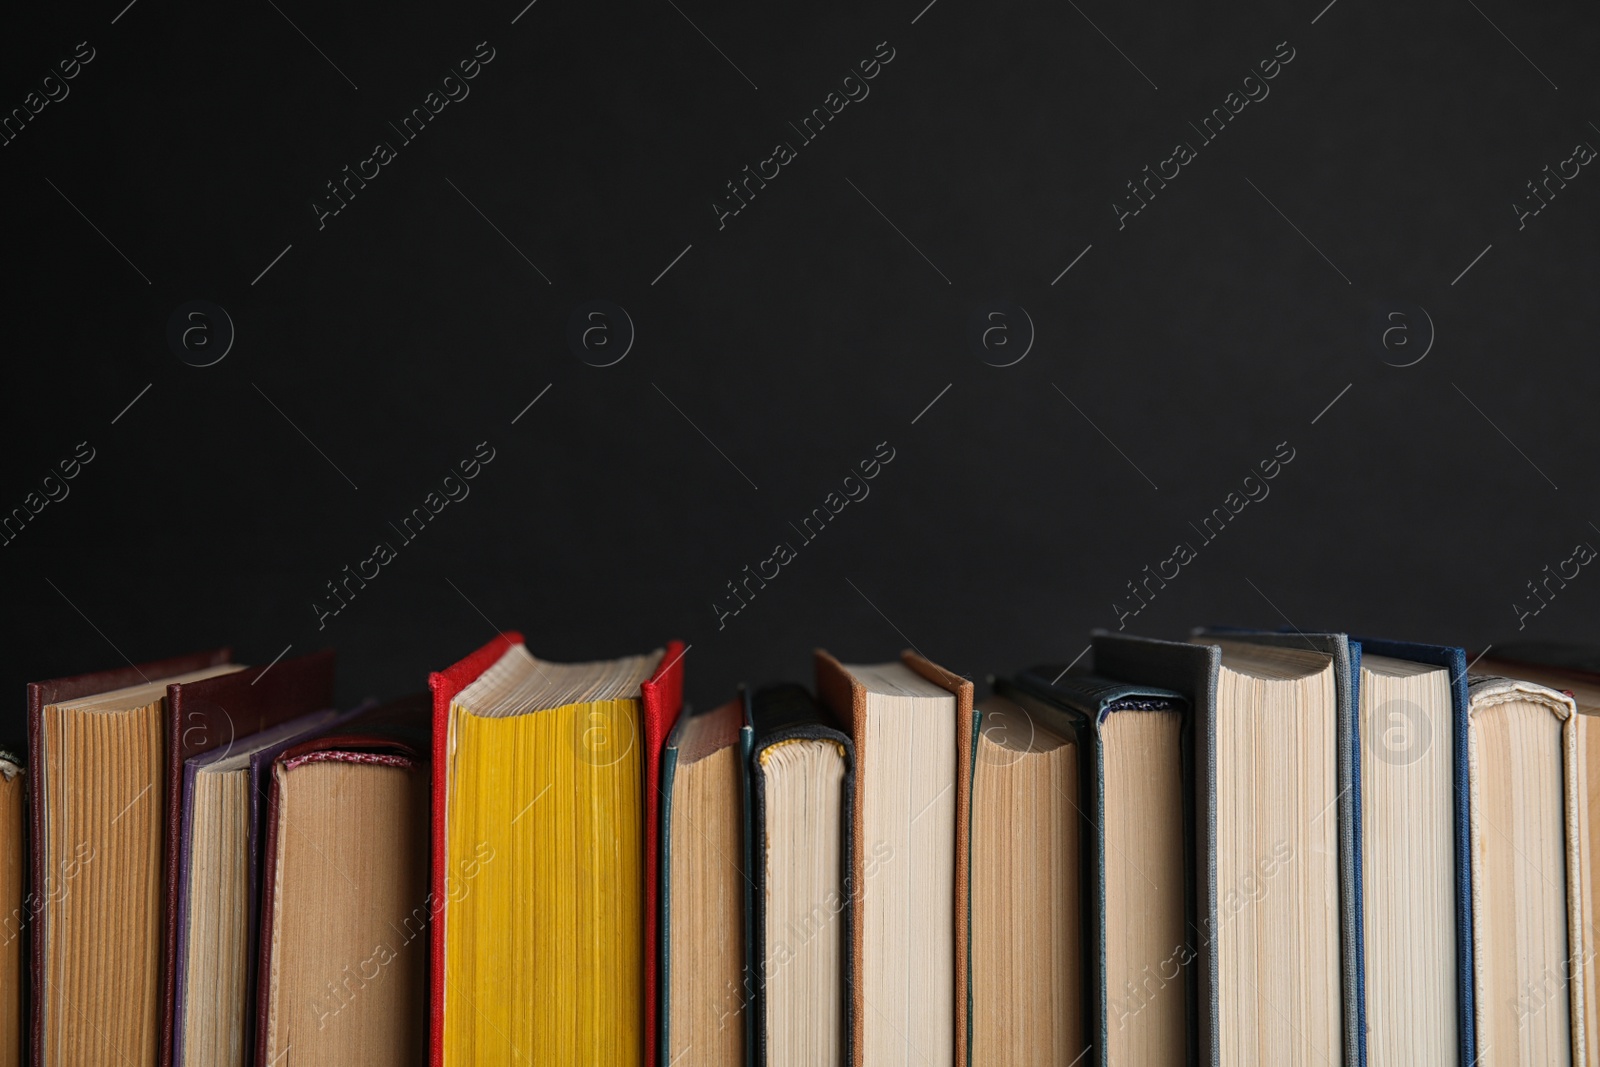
(40, 696)
(661, 698)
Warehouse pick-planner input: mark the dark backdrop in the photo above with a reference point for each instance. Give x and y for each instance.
(923, 236)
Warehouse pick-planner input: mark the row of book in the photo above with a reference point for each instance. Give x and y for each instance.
(1249, 848)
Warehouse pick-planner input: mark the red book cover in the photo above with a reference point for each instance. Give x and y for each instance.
(661, 698)
(445, 685)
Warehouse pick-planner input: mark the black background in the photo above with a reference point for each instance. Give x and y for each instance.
(820, 321)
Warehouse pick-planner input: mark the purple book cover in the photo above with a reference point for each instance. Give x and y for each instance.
(261, 749)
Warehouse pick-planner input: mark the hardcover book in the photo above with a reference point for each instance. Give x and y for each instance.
(207, 715)
(1527, 891)
(1574, 670)
(558, 764)
(1265, 856)
(1030, 990)
(1266, 675)
(343, 970)
(219, 893)
(911, 723)
(703, 889)
(1081, 892)
(1412, 719)
(99, 781)
(802, 786)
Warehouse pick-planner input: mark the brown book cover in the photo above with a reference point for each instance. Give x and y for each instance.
(847, 698)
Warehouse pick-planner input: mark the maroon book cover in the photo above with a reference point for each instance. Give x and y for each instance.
(40, 696)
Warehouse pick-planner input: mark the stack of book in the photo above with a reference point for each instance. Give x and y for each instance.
(1250, 848)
